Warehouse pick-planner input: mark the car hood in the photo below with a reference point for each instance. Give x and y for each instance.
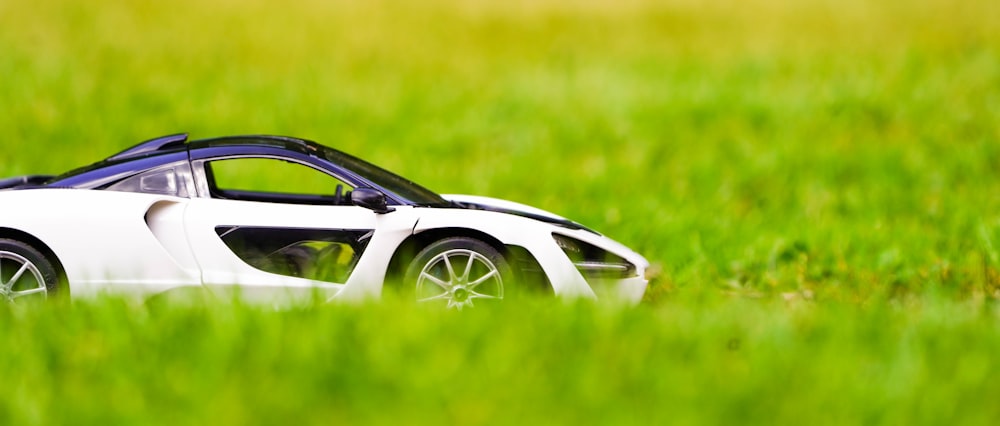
(477, 202)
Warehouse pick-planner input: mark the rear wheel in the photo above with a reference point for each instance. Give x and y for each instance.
(458, 272)
(25, 273)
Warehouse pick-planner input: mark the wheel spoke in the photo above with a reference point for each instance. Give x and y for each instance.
(468, 267)
(16, 294)
(478, 295)
(458, 272)
(459, 305)
(435, 280)
(441, 296)
(482, 279)
(17, 276)
(451, 271)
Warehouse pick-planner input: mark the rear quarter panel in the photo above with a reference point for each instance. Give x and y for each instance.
(102, 239)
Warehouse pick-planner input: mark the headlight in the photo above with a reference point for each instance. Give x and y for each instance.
(593, 261)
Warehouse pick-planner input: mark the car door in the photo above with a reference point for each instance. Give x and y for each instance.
(275, 228)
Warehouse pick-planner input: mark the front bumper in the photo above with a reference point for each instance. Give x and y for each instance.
(611, 270)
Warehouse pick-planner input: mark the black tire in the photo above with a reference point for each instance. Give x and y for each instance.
(38, 271)
(479, 273)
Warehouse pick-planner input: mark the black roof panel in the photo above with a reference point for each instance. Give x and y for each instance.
(150, 146)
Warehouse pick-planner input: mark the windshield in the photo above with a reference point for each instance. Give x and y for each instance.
(392, 182)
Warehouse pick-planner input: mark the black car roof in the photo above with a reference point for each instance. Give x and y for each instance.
(164, 149)
(285, 142)
(162, 143)
(168, 149)
(176, 142)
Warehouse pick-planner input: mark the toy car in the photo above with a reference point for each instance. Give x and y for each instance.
(275, 218)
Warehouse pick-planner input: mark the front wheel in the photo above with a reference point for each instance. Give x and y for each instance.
(24, 272)
(458, 272)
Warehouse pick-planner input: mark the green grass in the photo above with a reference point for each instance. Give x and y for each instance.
(817, 181)
(686, 361)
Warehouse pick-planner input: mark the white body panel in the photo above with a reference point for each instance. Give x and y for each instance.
(503, 204)
(102, 240)
(535, 236)
(143, 244)
(222, 268)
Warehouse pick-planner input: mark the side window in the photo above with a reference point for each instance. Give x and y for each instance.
(274, 180)
(164, 181)
(318, 254)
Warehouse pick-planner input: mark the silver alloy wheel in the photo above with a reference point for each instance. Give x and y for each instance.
(19, 277)
(439, 280)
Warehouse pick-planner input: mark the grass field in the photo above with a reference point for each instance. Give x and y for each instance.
(818, 181)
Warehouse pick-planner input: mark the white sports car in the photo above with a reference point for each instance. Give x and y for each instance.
(275, 218)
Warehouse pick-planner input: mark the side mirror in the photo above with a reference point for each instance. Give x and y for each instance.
(370, 199)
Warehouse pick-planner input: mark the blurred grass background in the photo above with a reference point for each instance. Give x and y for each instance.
(834, 162)
(687, 362)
